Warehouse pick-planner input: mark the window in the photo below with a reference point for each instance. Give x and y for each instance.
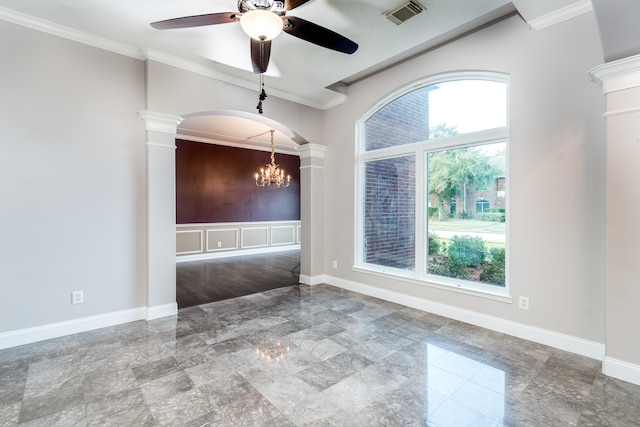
(432, 204)
(482, 205)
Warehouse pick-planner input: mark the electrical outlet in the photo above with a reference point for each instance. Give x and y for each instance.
(219, 244)
(335, 264)
(76, 297)
(523, 303)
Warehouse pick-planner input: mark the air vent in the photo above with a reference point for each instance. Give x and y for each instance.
(404, 11)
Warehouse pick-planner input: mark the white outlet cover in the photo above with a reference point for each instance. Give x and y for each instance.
(76, 297)
(524, 303)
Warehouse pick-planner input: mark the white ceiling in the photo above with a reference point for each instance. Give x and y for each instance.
(239, 129)
(298, 70)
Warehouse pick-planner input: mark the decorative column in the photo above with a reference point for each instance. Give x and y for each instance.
(312, 213)
(621, 85)
(161, 213)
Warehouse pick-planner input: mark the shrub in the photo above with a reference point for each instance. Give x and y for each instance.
(494, 271)
(434, 244)
(432, 212)
(441, 266)
(499, 210)
(465, 252)
(491, 216)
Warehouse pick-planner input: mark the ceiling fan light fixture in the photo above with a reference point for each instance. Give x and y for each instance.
(261, 24)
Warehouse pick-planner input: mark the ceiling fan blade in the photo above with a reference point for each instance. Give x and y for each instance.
(316, 34)
(197, 20)
(260, 53)
(292, 4)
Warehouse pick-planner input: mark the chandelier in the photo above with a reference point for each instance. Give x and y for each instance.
(272, 174)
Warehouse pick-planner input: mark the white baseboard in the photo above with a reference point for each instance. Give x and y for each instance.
(569, 343)
(240, 252)
(311, 280)
(84, 324)
(621, 370)
(158, 311)
(69, 327)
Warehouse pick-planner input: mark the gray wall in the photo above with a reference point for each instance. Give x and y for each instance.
(556, 229)
(72, 189)
(73, 173)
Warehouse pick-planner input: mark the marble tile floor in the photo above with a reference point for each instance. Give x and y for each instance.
(306, 356)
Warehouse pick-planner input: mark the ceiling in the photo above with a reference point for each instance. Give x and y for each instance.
(298, 71)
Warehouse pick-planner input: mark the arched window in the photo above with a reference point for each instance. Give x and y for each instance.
(430, 158)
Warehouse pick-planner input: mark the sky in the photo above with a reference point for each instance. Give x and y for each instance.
(471, 105)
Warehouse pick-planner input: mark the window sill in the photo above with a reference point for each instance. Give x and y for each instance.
(443, 283)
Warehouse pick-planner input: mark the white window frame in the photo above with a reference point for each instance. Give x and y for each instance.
(420, 151)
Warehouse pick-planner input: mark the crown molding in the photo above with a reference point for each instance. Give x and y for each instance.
(69, 33)
(561, 15)
(617, 75)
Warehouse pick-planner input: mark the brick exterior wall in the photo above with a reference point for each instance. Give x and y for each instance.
(389, 210)
(389, 204)
(402, 121)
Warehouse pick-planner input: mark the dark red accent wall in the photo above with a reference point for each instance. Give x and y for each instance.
(215, 183)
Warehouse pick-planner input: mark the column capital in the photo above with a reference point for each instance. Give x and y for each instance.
(617, 75)
(160, 122)
(312, 151)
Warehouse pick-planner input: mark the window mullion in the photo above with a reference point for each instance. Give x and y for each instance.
(421, 217)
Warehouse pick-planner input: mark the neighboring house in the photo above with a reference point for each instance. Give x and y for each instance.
(475, 201)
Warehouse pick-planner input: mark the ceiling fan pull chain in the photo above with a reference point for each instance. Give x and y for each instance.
(263, 94)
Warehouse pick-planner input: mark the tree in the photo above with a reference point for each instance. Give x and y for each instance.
(442, 131)
(452, 171)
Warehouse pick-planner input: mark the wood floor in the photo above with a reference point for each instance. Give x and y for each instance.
(201, 282)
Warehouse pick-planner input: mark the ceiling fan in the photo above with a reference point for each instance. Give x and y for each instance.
(263, 20)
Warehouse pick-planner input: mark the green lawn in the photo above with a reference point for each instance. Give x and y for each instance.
(464, 226)
(472, 225)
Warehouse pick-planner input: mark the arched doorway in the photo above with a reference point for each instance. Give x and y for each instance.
(159, 242)
(233, 237)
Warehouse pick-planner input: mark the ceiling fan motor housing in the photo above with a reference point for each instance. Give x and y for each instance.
(270, 5)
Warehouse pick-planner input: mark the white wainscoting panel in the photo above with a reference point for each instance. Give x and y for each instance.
(188, 242)
(220, 240)
(283, 235)
(255, 237)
